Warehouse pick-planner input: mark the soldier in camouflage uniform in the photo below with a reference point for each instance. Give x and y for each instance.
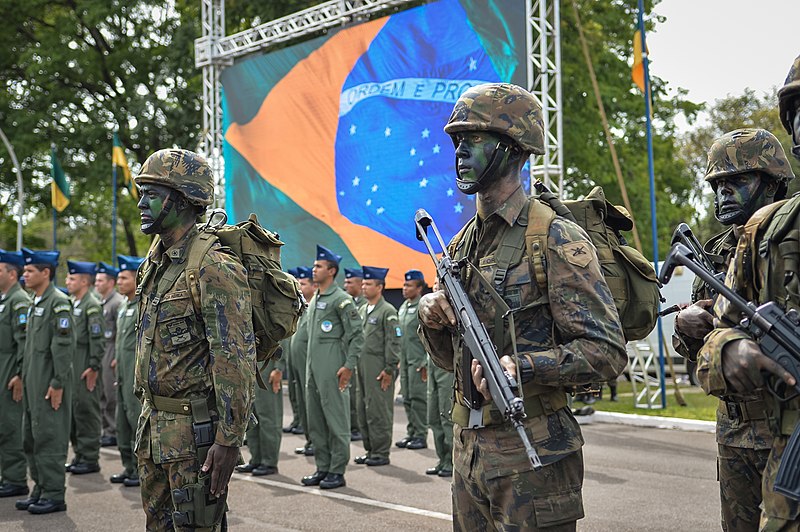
(763, 269)
(47, 384)
(87, 318)
(14, 304)
(376, 368)
(128, 405)
(298, 345)
(194, 366)
(264, 434)
(747, 169)
(568, 336)
(413, 364)
(110, 299)
(335, 339)
(352, 285)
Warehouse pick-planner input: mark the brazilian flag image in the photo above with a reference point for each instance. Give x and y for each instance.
(59, 188)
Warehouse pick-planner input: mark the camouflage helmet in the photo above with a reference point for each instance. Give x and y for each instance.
(748, 150)
(182, 170)
(500, 108)
(789, 93)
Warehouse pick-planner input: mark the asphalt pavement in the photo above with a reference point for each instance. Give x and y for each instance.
(637, 479)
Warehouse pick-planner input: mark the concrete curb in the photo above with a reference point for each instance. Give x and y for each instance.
(657, 422)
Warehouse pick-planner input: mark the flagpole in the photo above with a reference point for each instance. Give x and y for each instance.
(114, 213)
(55, 220)
(651, 172)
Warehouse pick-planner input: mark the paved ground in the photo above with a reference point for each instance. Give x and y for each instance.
(636, 480)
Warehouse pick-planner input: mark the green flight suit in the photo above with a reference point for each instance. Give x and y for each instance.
(47, 362)
(13, 325)
(86, 429)
(440, 403)
(128, 405)
(360, 303)
(413, 359)
(264, 437)
(335, 339)
(298, 345)
(382, 334)
(108, 392)
(291, 375)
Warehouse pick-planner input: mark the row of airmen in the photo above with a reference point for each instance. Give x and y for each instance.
(52, 351)
(341, 367)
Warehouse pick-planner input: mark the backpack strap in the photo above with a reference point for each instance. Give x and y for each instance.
(540, 216)
(753, 251)
(204, 242)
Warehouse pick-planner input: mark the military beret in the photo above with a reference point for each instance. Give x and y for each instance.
(371, 272)
(349, 273)
(324, 253)
(292, 272)
(107, 269)
(12, 257)
(414, 275)
(127, 262)
(49, 258)
(75, 266)
(303, 272)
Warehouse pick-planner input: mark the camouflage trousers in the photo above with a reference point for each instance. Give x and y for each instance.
(494, 490)
(780, 514)
(739, 473)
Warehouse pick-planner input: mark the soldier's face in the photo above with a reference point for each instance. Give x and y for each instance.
(126, 283)
(353, 286)
(307, 287)
(411, 289)
(151, 203)
(796, 129)
(6, 277)
(321, 271)
(371, 288)
(77, 283)
(104, 284)
(735, 197)
(35, 279)
(474, 150)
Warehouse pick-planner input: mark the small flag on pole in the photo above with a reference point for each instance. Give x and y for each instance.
(59, 188)
(118, 159)
(637, 72)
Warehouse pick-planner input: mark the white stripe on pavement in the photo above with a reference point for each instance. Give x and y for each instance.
(344, 497)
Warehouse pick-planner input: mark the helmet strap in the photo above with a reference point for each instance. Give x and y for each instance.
(473, 187)
(166, 208)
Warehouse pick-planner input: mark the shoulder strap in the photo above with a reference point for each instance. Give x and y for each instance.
(540, 216)
(205, 241)
(751, 246)
(510, 251)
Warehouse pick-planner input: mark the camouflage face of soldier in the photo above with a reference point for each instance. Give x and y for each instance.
(126, 283)
(352, 286)
(738, 196)
(371, 289)
(151, 204)
(474, 150)
(796, 128)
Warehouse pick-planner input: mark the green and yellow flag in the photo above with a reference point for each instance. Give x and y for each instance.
(637, 72)
(118, 159)
(59, 188)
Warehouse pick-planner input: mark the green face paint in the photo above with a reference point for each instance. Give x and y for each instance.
(737, 197)
(474, 152)
(151, 205)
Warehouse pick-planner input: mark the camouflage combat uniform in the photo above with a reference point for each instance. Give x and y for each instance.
(494, 486)
(379, 353)
(14, 306)
(412, 358)
(128, 405)
(87, 317)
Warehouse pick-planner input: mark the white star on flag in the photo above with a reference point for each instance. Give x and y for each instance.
(458, 208)
(425, 133)
(412, 152)
(356, 181)
(380, 210)
(473, 65)
(436, 148)
(341, 192)
(374, 188)
(421, 162)
(369, 202)
(423, 183)
(353, 129)
(449, 192)
(367, 168)
(387, 132)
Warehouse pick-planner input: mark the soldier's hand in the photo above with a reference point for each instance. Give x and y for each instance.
(90, 376)
(435, 311)
(15, 385)
(55, 396)
(114, 364)
(344, 375)
(275, 380)
(482, 384)
(423, 373)
(386, 380)
(696, 320)
(220, 462)
(743, 362)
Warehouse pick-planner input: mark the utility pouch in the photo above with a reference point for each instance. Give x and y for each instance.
(195, 507)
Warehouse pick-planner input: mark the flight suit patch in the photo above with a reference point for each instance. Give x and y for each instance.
(179, 331)
(38, 311)
(95, 329)
(2, 307)
(108, 334)
(372, 321)
(63, 326)
(77, 312)
(398, 332)
(322, 305)
(326, 326)
(130, 312)
(577, 253)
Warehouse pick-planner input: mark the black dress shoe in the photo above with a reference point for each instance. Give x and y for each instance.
(13, 490)
(356, 436)
(119, 478)
(402, 443)
(108, 441)
(298, 430)
(299, 450)
(332, 481)
(361, 459)
(309, 451)
(445, 473)
(264, 470)
(68, 467)
(416, 443)
(84, 468)
(131, 482)
(314, 479)
(23, 504)
(433, 470)
(245, 468)
(377, 461)
(47, 506)
(287, 429)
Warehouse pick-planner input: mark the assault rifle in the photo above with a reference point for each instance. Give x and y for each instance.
(683, 234)
(777, 334)
(502, 384)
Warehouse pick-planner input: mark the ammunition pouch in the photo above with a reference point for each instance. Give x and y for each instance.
(195, 507)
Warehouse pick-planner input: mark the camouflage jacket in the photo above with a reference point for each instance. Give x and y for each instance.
(571, 334)
(381, 334)
(90, 345)
(184, 352)
(412, 350)
(14, 306)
